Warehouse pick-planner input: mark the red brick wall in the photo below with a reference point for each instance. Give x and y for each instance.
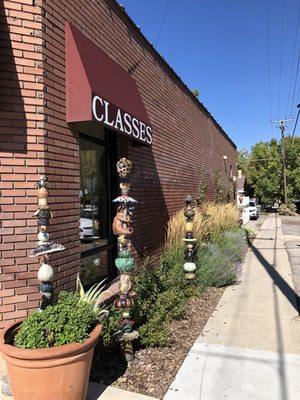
(185, 137)
(22, 155)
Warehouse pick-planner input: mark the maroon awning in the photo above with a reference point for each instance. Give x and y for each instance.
(98, 89)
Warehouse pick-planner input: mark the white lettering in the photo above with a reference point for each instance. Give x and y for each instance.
(95, 99)
(123, 122)
(136, 131)
(149, 134)
(142, 131)
(106, 114)
(119, 121)
(127, 120)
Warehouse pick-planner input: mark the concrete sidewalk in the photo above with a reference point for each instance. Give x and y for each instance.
(250, 347)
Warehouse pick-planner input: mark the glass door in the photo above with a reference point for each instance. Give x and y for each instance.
(95, 210)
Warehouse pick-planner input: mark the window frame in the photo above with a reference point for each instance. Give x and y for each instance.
(110, 144)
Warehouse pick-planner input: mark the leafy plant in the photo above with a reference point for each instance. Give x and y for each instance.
(217, 260)
(214, 269)
(68, 321)
(233, 244)
(93, 296)
(110, 327)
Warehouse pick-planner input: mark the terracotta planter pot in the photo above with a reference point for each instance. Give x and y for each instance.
(56, 373)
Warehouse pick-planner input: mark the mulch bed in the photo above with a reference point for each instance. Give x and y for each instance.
(154, 369)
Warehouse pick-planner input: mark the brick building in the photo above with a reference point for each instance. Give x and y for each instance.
(58, 60)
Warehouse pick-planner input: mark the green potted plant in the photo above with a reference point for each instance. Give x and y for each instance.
(49, 354)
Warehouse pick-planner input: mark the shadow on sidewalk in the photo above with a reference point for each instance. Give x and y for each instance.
(293, 299)
(282, 285)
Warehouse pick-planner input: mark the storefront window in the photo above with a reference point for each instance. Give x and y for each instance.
(93, 195)
(94, 210)
(94, 267)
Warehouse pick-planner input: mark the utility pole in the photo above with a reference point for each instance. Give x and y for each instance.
(282, 127)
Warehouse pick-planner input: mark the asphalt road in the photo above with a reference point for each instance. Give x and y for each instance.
(291, 225)
(291, 231)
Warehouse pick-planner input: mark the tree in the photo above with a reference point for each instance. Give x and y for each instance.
(263, 168)
(242, 159)
(292, 154)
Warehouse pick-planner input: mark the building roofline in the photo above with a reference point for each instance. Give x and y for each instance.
(171, 70)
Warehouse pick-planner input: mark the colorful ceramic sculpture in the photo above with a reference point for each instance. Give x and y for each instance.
(189, 265)
(44, 246)
(125, 262)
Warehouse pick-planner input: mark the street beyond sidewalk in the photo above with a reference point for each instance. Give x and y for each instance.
(250, 347)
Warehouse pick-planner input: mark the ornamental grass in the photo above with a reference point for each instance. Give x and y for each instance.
(209, 221)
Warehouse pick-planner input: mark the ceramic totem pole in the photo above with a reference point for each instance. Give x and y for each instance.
(45, 245)
(189, 265)
(125, 262)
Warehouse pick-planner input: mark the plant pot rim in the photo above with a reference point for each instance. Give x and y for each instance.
(65, 350)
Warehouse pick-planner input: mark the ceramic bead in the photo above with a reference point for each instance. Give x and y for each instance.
(45, 273)
(189, 267)
(43, 236)
(189, 226)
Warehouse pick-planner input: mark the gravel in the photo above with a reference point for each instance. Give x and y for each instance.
(153, 369)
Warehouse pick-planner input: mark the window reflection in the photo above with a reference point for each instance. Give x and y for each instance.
(93, 195)
(94, 267)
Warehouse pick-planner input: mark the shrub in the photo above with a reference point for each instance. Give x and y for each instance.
(233, 244)
(287, 209)
(162, 297)
(214, 268)
(217, 261)
(68, 321)
(155, 332)
(170, 305)
(110, 327)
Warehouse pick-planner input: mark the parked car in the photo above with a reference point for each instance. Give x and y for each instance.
(253, 209)
(86, 224)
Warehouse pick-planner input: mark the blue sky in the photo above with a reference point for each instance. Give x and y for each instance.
(220, 48)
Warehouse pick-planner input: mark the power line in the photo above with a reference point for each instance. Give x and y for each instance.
(295, 84)
(268, 59)
(281, 51)
(296, 122)
(294, 57)
(295, 126)
(162, 22)
(137, 64)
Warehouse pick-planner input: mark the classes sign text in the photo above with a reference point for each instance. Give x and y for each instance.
(119, 120)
